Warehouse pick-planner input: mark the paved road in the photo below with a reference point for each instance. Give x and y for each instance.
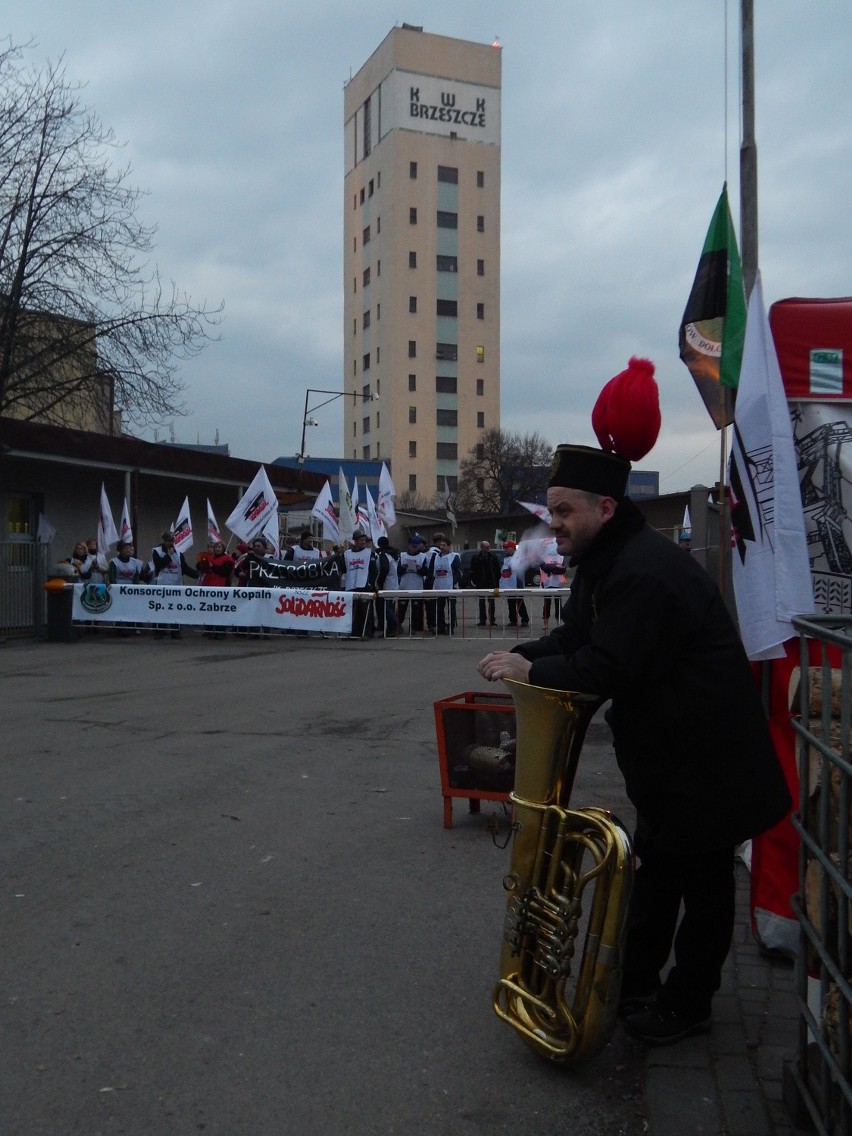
(230, 905)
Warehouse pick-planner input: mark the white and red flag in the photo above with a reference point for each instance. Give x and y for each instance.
(323, 510)
(125, 529)
(257, 504)
(107, 533)
(214, 534)
(183, 528)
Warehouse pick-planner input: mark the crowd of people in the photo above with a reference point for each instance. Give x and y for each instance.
(366, 569)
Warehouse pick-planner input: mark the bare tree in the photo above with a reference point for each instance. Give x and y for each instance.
(87, 327)
(503, 469)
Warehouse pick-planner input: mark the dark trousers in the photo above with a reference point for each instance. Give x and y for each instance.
(444, 624)
(557, 608)
(416, 614)
(363, 623)
(482, 610)
(517, 607)
(704, 882)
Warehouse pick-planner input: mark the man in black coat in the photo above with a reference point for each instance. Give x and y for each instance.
(646, 627)
(485, 573)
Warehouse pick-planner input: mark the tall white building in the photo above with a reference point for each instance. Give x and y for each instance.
(422, 256)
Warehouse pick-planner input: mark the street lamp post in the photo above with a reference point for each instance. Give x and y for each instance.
(307, 420)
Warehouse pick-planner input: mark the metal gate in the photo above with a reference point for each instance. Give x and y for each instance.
(818, 1082)
(23, 571)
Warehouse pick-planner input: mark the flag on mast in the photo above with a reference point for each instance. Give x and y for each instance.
(770, 564)
(252, 513)
(45, 531)
(385, 505)
(272, 534)
(125, 530)
(377, 528)
(323, 510)
(182, 529)
(540, 511)
(345, 510)
(713, 325)
(214, 534)
(107, 533)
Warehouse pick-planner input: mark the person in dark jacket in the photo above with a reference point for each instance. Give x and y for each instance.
(646, 627)
(485, 573)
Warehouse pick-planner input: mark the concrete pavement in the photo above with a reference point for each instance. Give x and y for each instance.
(230, 906)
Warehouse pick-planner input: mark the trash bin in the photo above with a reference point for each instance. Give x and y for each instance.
(59, 591)
(476, 748)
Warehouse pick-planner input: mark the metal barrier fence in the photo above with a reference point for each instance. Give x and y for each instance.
(820, 1074)
(23, 570)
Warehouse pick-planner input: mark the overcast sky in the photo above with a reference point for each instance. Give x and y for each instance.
(614, 150)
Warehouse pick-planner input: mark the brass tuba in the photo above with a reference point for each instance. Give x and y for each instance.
(571, 874)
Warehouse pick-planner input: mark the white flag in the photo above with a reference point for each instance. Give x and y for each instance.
(45, 531)
(107, 533)
(354, 496)
(345, 511)
(540, 511)
(377, 528)
(251, 515)
(323, 510)
(771, 570)
(183, 529)
(125, 531)
(272, 533)
(385, 505)
(213, 533)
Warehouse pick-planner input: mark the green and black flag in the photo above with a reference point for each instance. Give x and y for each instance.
(713, 326)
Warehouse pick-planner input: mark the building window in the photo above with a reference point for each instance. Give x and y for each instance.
(378, 268)
(365, 453)
(480, 354)
(480, 179)
(378, 419)
(446, 384)
(480, 386)
(366, 277)
(412, 483)
(449, 174)
(354, 430)
(355, 327)
(447, 450)
(412, 349)
(365, 319)
(412, 259)
(412, 415)
(480, 420)
(480, 451)
(412, 303)
(447, 264)
(378, 225)
(447, 308)
(449, 351)
(412, 170)
(412, 449)
(412, 216)
(365, 236)
(362, 195)
(480, 311)
(365, 425)
(446, 417)
(480, 484)
(378, 355)
(447, 220)
(365, 362)
(480, 268)
(480, 223)
(378, 311)
(412, 382)
(365, 393)
(368, 145)
(370, 194)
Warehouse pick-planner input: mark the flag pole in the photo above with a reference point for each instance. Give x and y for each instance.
(748, 152)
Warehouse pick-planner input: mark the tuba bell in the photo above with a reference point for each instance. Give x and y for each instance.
(571, 876)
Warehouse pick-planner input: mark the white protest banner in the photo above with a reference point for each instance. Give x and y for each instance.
(301, 609)
(385, 506)
(107, 533)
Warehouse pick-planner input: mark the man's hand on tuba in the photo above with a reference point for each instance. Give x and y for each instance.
(504, 664)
